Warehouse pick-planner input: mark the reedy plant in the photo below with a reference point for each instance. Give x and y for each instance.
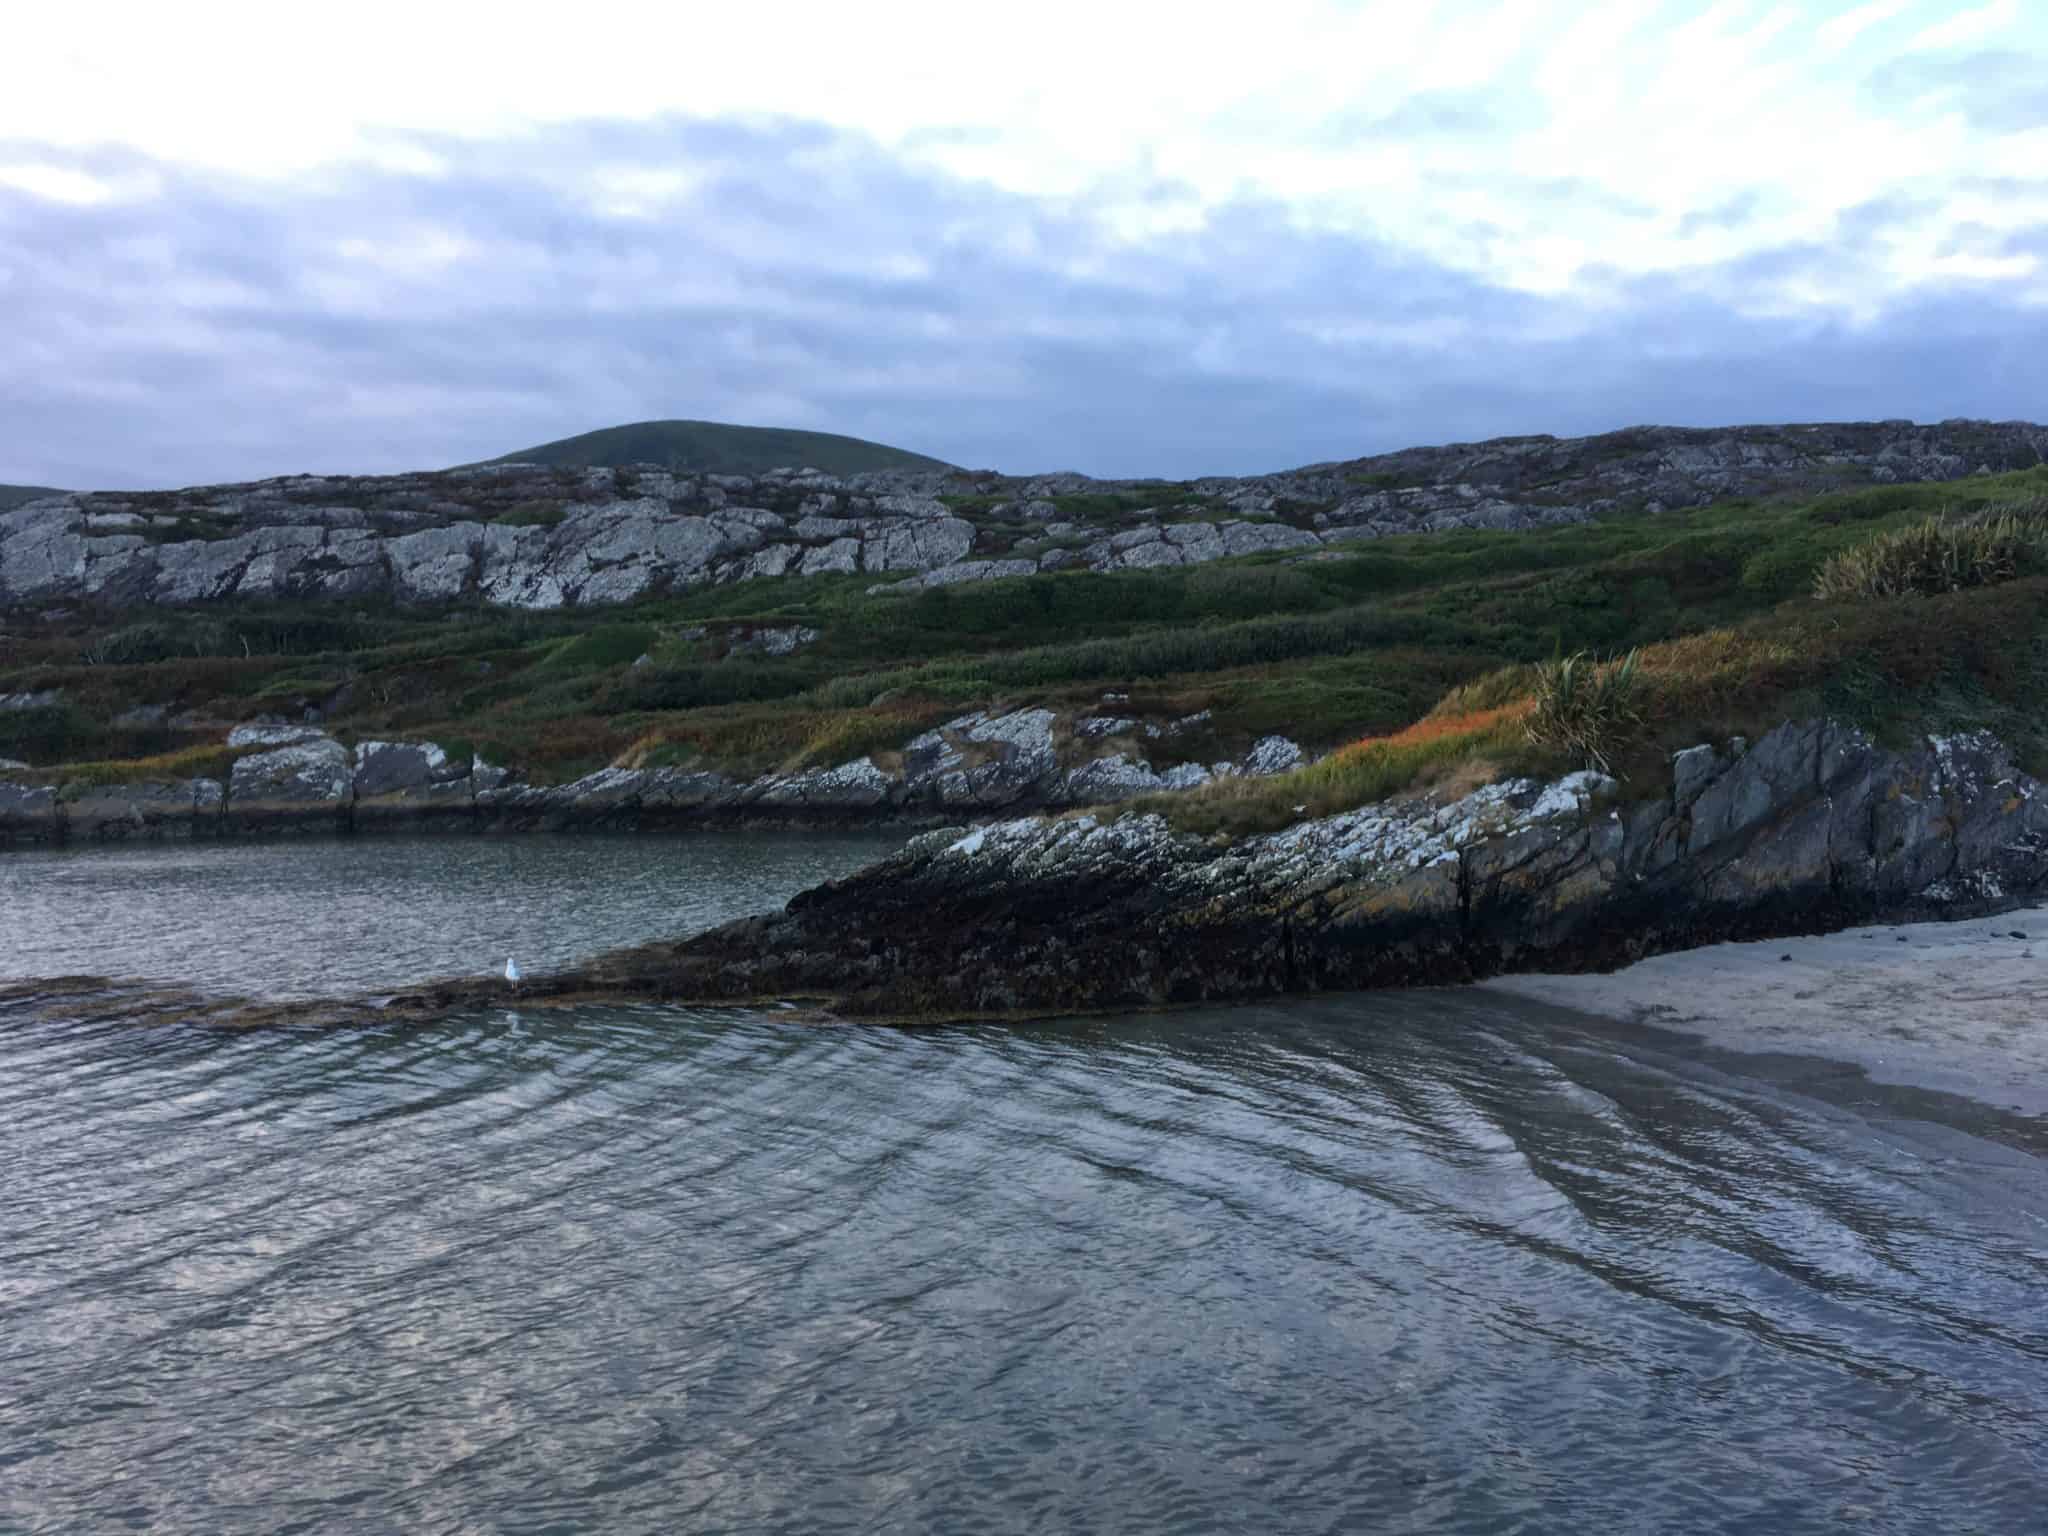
(1586, 708)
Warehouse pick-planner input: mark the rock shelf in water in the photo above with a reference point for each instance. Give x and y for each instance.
(1814, 827)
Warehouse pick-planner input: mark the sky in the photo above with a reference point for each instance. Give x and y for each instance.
(1115, 237)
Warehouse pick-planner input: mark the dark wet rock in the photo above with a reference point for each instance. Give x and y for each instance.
(29, 813)
(393, 767)
(113, 813)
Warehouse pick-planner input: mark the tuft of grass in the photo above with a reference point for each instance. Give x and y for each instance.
(1586, 709)
(204, 762)
(1944, 553)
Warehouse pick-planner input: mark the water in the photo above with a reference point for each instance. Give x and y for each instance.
(1432, 1261)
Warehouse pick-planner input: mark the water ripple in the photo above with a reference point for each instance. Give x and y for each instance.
(1431, 1261)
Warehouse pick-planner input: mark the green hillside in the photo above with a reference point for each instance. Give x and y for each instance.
(712, 447)
(1426, 650)
(12, 496)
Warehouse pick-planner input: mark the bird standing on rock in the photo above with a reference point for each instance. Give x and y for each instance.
(512, 973)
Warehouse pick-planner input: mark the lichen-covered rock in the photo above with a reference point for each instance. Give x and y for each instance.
(977, 570)
(394, 767)
(1273, 754)
(856, 785)
(921, 545)
(310, 772)
(272, 733)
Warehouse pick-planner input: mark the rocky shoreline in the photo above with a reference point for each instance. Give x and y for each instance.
(1811, 829)
(292, 779)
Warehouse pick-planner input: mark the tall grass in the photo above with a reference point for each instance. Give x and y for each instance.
(1586, 709)
(1944, 553)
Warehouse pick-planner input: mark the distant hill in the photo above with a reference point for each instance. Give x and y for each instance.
(712, 447)
(12, 496)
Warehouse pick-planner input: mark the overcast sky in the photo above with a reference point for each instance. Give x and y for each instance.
(1117, 237)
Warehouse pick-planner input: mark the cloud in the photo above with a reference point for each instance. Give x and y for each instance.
(371, 318)
(1997, 91)
(1967, 27)
(1839, 32)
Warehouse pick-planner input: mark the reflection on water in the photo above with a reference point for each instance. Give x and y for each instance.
(331, 916)
(1428, 1261)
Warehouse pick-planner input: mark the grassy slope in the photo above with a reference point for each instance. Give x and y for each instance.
(710, 447)
(1403, 638)
(12, 496)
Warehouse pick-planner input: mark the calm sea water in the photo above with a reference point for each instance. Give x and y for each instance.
(1432, 1261)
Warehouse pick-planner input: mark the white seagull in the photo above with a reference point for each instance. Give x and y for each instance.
(512, 970)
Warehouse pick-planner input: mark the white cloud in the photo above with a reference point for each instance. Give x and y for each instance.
(1968, 27)
(1839, 32)
(1548, 141)
(60, 184)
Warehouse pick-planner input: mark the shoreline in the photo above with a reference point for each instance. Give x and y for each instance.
(1954, 1006)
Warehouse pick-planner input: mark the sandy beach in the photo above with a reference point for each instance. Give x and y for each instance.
(1956, 1007)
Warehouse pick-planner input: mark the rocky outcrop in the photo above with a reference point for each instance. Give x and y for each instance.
(118, 812)
(298, 778)
(975, 765)
(1813, 827)
(528, 536)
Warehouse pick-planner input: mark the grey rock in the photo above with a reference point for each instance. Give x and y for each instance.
(978, 570)
(314, 771)
(775, 640)
(272, 733)
(920, 546)
(775, 560)
(120, 811)
(850, 786)
(840, 557)
(1271, 755)
(485, 777)
(27, 813)
(392, 767)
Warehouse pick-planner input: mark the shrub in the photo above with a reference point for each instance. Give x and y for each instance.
(1938, 554)
(1586, 709)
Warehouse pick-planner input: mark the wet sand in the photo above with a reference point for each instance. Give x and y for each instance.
(1957, 1007)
